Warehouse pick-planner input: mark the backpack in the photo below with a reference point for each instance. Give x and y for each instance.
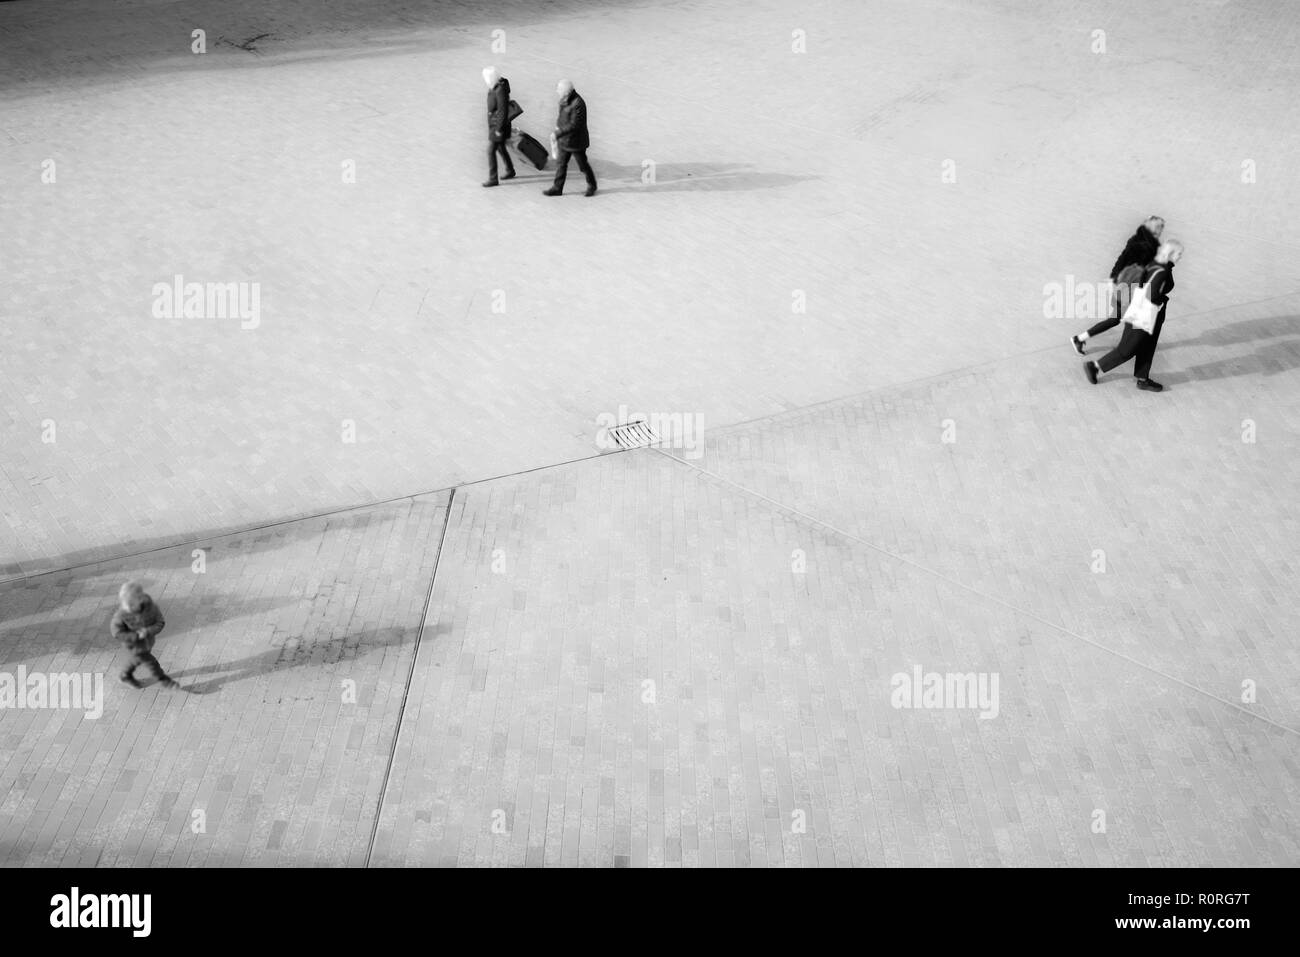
(1133, 272)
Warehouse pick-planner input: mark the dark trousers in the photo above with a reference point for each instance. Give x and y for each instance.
(142, 657)
(562, 167)
(1122, 297)
(1102, 326)
(495, 147)
(1137, 345)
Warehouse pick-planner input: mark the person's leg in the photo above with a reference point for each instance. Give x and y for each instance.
(561, 170)
(1147, 351)
(586, 169)
(126, 674)
(153, 668)
(1096, 330)
(1125, 349)
(505, 157)
(492, 163)
(1105, 325)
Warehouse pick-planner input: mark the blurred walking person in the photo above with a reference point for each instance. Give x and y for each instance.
(1143, 321)
(570, 138)
(1139, 252)
(136, 624)
(498, 108)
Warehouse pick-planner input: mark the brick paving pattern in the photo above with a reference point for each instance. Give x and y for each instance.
(262, 741)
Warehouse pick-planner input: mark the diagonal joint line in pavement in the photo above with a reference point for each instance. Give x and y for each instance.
(344, 509)
(410, 675)
(963, 370)
(752, 493)
(310, 516)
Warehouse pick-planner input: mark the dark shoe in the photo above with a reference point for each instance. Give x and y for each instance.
(1077, 343)
(170, 683)
(591, 191)
(1150, 385)
(552, 192)
(510, 174)
(1090, 370)
(129, 680)
(493, 182)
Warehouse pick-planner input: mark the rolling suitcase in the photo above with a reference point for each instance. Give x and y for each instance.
(531, 150)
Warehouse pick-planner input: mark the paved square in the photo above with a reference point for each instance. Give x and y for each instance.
(422, 620)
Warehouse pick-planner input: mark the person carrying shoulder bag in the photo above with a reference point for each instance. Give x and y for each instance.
(1143, 320)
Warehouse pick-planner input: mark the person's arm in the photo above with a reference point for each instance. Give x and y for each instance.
(577, 117)
(119, 628)
(503, 111)
(157, 623)
(1161, 284)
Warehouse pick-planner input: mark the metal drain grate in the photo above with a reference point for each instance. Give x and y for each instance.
(633, 435)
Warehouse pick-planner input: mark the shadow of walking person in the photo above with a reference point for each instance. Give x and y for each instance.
(1270, 360)
(295, 654)
(675, 177)
(1236, 333)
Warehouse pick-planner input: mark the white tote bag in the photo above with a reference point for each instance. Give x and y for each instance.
(1142, 312)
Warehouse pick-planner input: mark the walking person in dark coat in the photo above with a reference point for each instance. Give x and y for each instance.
(1140, 250)
(1138, 343)
(571, 139)
(498, 108)
(136, 625)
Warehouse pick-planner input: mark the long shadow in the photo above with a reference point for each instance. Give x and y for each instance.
(148, 553)
(1235, 333)
(1270, 360)
(331, 651)
(89, 633)
(676, 177)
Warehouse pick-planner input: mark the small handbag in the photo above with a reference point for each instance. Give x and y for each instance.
(515, 110)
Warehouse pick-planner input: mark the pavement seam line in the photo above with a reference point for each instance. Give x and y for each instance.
(410, 675)
(975, 591)
(327, 513)
(953, 373)
(798, 410)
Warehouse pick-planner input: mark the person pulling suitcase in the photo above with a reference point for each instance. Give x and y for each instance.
(501, 110)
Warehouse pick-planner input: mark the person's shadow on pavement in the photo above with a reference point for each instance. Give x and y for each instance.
(296, 654)
(1236, 333)
(675, 177)
(1270, 359)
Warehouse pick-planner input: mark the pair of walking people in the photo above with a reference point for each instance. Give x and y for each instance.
(1143, 277)
(570, 137)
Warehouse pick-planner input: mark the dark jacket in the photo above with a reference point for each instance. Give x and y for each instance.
(571, 124)
(1157, 283)
(1160, 279)
(498, 106)
(145, 617)
(1140, 249)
